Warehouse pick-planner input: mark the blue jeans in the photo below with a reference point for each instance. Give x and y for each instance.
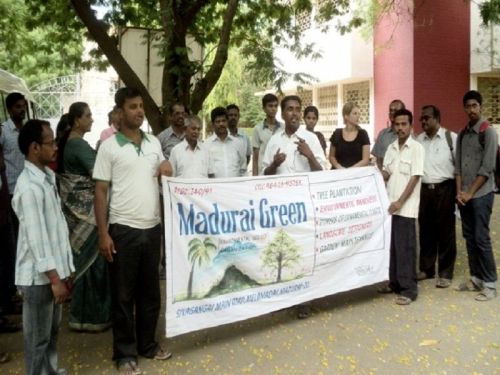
(41, 319)
(476, 216)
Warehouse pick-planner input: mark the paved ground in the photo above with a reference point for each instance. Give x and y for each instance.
(359, 332)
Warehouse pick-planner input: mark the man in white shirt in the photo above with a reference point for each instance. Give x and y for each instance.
(293, 149)
(189, 159)
(264, 131)
(44, 264)
(227, 158)
(233, 118)
(436, 217)
(403, 169)
(174, 134)
(126, 170)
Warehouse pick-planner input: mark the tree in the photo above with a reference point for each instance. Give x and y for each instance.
(253, 25)
(199, 252)
(281, 252)
(35, 51)
(490, 12)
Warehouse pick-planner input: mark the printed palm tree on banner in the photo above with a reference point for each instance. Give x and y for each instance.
(199, 252)
(281, 252)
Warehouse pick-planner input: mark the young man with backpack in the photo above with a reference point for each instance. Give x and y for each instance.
(477, 148)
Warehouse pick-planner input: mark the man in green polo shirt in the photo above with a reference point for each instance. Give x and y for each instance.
(126, 170)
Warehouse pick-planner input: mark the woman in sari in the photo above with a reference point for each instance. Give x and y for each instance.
(91, 298)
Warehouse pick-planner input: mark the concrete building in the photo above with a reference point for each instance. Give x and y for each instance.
(423, 52)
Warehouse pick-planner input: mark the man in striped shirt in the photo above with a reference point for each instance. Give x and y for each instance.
(44, 262)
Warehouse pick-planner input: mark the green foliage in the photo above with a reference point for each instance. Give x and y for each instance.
(199, 252)
(236, 86)
(490, 12)
(281, 252)
(34, 49)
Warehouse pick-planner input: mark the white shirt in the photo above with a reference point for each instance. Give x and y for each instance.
(189, 163)
(262, 133)
(134, 196)
(43, 242)
(247, 147)
(226, 158)
(294, 162)
(402, 164)
(438, 164)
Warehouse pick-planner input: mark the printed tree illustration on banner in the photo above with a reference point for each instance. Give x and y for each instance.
(199, 252)
(280, 253)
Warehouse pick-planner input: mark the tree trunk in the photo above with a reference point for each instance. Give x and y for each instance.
(280, 266)
(115, 58)
(190, 283)
(205, 85)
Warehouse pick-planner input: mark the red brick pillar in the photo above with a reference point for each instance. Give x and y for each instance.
(422, 56)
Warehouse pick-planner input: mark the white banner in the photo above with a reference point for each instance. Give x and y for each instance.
(243, 247)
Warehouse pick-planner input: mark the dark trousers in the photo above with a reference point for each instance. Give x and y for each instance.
(476, 216)
(135, 285)
(437, 231)
(403, 257)
(7, 266)
(8, 239)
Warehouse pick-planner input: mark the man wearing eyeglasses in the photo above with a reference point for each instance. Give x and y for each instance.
(437, 200)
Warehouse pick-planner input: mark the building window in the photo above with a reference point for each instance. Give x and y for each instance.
(306, 96)
(327, 106)
(489, 87)
(303, 20)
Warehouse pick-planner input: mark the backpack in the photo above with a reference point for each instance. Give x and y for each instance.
(496, 174)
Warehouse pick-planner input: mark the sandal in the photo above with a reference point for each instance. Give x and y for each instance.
(4, 357)
(385, 289)
(162, 355)
(467, 286)
(303, 311)
(487, 294)
(403, 301)
(129, 368)
(443, 283)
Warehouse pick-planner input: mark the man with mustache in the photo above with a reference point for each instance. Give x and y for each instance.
(233, 118)
(293, 149)
(387, 135)
(227, 157)
(437, 200)
(403, 169)
(126, 170)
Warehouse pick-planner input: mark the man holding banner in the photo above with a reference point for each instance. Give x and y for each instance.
(403, 169)
(293, 150)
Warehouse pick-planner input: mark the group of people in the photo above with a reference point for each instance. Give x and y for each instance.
(91, 232)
